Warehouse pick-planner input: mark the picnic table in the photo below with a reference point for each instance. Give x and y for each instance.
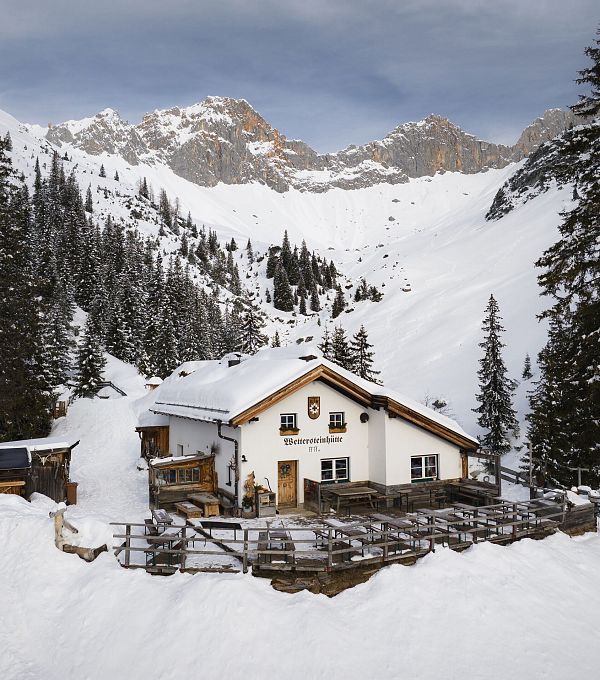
(353, 494)
(188, 509)
(275, 539)
(215, 524)
(208, 501)
(161, 519)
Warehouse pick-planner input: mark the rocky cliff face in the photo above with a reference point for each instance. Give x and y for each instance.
(226, 140)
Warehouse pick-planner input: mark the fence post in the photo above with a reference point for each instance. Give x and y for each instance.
(514, 519)
(475, 524)
(329, 549)
(245, 557)
(431, 527)
(385, 541)
(183, 547)
(127, 544)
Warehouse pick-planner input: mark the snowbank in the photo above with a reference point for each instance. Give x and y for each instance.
(487, 613)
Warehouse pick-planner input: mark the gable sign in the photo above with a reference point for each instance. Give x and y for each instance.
(314, 407)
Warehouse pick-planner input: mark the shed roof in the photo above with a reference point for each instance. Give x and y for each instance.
(14, 458)
(217, 391)
(42, 444)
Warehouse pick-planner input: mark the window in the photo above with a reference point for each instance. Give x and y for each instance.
(181, 476)
(180, 449)
(288, 422)
(337, 421)
(423, 468)
(335, 470)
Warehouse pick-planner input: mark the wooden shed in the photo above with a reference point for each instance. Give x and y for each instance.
(153, 431)
(49, 467)
(172, 480)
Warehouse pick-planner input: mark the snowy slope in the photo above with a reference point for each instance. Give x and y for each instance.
(425, 244)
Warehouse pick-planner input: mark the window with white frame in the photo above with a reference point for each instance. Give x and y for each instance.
(335, 470)
(423, 468)
(288, 421)
(180, 449)
(336, 419)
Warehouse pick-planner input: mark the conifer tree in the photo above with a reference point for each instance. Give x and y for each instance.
(90, 363)
(315, 305)
(339, 303)
(283, 297)
(340, 349)
(102, 171)
(25, 399)
(496, 414)
(589, 104)
(116, 176)
(325, 346)
(527, 374)
(564, 423)
(249, 252)
(89, 205)
(276, 340)
(362, 356)
(252, 336)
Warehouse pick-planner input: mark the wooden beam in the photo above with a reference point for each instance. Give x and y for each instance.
(323, 373)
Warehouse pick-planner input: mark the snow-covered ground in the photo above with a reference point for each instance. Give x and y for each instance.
(524, 611)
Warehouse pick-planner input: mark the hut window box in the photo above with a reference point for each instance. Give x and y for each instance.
(334, 470)
(423, 468)
(337, 422)
(289, 424)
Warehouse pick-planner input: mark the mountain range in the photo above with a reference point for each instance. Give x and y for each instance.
(226, 140)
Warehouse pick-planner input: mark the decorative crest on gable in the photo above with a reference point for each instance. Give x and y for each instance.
(314, 407)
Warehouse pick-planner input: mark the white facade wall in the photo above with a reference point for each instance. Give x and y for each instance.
(403, 440)
(263, 446)
(377, 446)
(378, 451)
(195, 435)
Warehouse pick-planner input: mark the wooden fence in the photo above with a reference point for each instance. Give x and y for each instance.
(330, 546)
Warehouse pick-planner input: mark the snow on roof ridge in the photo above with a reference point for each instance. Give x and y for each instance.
(231, 390)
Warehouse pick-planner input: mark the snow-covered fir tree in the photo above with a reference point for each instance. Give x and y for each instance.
(496, 413)
(341, 354)
(90, 363)
(527, 374)
(361, 356)
(252, 336)
(564, 423)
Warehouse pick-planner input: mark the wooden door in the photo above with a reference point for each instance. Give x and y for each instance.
(287, 484)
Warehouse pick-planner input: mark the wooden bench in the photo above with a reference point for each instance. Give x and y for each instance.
(188, 509)
(209, 503)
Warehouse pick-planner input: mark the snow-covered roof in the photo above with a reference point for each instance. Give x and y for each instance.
(42, 444)
(154, 380)
(151, 419)
(157, 462)
(217, 391)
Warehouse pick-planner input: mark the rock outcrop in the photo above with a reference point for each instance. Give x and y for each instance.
(226, 140)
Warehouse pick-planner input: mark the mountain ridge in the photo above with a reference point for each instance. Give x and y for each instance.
(226, 140)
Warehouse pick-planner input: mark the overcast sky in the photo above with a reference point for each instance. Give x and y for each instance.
(330, 72)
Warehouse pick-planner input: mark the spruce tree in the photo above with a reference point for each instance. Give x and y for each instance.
(252, 336)
(589, 104)
(90, 363)
(276, 340)
(340, 349)
(89, 204)
(496, 414)
(283, 297)
(25, 398)
(102, 171)
(362, 356)
(116, 176)
(339, 303)
(564, 423)
(527, 374)
(325, 346)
